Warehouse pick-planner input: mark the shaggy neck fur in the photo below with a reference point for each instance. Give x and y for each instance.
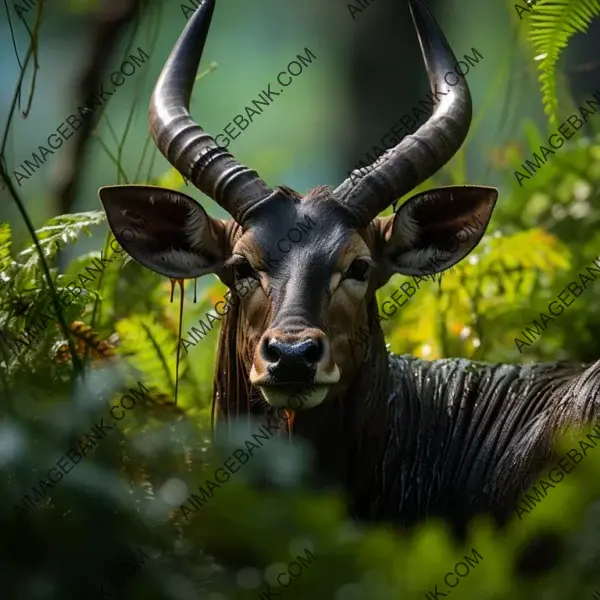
(412, 439)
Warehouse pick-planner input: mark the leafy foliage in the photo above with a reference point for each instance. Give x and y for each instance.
(495, 283)
(551, 24)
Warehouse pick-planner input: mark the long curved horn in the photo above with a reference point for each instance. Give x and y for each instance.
(420, 155)
(183, 142)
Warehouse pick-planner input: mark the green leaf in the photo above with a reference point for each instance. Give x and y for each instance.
(151, 349)
(53, 237)
(551, 24)
(5, 248)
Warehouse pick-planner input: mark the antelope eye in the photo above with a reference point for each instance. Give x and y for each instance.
(359, 269)
(244, 270)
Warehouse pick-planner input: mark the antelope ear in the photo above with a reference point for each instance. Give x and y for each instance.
(163, 230)
(434, 230)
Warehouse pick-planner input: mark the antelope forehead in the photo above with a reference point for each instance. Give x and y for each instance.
(320, 245)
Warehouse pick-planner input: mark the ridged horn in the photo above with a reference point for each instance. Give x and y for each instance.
(192, 151)
(417, 157)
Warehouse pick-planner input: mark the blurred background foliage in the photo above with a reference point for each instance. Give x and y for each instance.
(126, 493)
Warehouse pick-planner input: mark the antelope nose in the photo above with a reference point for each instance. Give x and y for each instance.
(292, 362)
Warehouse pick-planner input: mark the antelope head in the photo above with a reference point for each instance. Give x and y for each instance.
(306, 299)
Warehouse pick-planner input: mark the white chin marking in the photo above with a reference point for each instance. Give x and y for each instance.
(294, 398)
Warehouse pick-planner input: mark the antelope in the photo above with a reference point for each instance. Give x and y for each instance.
(405, 439)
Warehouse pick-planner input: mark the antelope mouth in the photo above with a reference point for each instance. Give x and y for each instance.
(295, 396)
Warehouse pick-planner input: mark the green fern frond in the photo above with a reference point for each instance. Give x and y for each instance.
(498, 273)
(66, 229)
(23, 289)
(108, 286)
(5, 247)
(552, 23)
(151, 349)
(53, 237)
